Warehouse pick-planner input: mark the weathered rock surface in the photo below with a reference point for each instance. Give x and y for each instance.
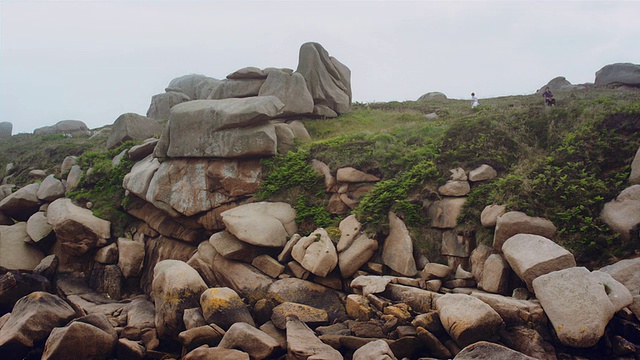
(6, 129)
(484, 350)
(328, 80)
(76, 228)
(21, 204)
(532, 255)
(224, 307)
(91, 329)
(467, 319)
(577, 304)
(247, 338)
(303, 344)
(261, 224)
(15, 253)
(222, 128)
(176, 287)
(161, 104)
(434, 95)
(316, 253)
(50, 189)
(31, 320)
(516, 222)
(397, 251)
(291, 89)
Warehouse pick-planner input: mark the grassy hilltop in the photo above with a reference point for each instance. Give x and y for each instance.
(562, 163)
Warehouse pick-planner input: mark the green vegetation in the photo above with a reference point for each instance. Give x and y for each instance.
(102, 185)
(562, 163)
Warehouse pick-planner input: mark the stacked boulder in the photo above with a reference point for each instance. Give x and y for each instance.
(321, 86)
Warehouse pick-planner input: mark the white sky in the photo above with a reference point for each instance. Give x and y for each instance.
(94, 60)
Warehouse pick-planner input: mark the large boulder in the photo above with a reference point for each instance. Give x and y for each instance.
(21, 204)
(308, 293)
(255, 342)
(94, 330)
(397, 251)
(180, 187)
(623, 213)
(627, 272)
(161, 104)
(316, 253)
(533, 255)
(291, 89)
(516, 222)
(221, 128)
(467, 319)
(328, 80)
(579, 304)
(243, 278)
(76, 228)
(15, 253)
(176, 287)
(619, 74)
(50, 189)
(262, 224)
(358, 253)
(6, 129)
(189, 85)
(138, 179)
(69, 127)
(224, 307)
(131, 126)
(31, 320)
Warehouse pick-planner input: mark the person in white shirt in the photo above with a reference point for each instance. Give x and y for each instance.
(475, 100)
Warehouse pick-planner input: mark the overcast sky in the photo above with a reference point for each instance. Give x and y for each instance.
(94, 60)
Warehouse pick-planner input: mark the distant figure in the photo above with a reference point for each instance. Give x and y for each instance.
(548, 97)
(475, 100)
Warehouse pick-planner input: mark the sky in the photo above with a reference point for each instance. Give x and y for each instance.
(95, 60)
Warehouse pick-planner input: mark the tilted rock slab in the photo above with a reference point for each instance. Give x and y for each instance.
(516, 222)
(258, 344)
(176, 287)
(307, 293)
(577, 304)
(328, 80)
(375, 350)
(397, 251)
(359, 252)
(15, 253)
(316, 253)
(226, 128)
(623, 213)
(139, 177)
(76, 228)
(243, 278)
(533, 255)
(467, 319)
(262, 224)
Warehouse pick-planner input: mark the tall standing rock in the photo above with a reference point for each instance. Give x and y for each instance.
(397, 251)
(328, 80)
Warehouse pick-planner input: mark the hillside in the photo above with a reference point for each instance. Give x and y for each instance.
(562, 163)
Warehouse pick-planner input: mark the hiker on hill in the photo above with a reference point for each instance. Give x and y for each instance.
(475, 100)
(548, 97)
